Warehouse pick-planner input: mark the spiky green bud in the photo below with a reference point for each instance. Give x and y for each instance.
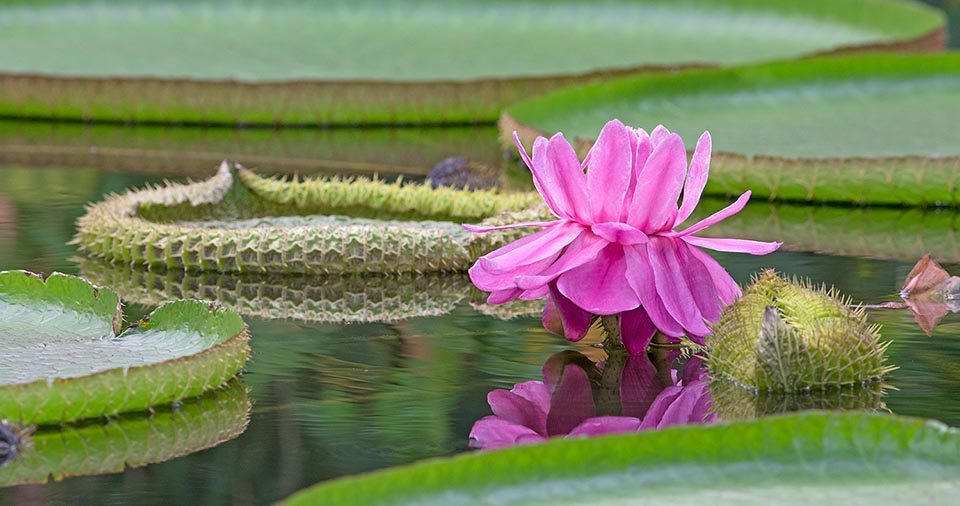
(787, 336)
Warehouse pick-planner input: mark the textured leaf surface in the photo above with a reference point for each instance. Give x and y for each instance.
(870, 129)
(338, 61)
(238, 221)
(836, 458)
(130, 440)
(64, 358)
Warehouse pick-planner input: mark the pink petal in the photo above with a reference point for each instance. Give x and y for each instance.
(513, 408)
(727, 288)
(641, 146)
(522, 151)
(598, 286)
(659, 134)
(610, 171)
(672, 286)
(620, 233)
(503, 296)
(563, 317)
(636, 330)
(530, 249)
(718, 216)
(700, 281)
(583, 249)
(654, 204)
(480, 229)
(639, 385)
(535, 392)
(559, 179)
(600, 425)
(641, 278)
(686, 408)
(534, 294)
(491, 433)
(497, 281)
(734, 245)
(696, 178)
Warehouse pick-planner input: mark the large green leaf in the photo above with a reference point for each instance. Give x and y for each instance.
(873, 129)
(130, 440)
(65, 357)
(850, 458)
(406, 61)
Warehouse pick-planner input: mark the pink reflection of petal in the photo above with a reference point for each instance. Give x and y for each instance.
(639, 385)
(514, 408)
(600, 425)
(598, 286)
(636, 330)
(491, 433)
(571, 401)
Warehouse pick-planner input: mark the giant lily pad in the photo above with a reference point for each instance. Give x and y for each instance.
(238, 221)
(67, 357)
(837, 458)
(875, 129)
(219, 61)
(130, 440)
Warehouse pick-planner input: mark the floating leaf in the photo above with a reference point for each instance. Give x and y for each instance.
(839, 458)
(218, 61)
(130, 440)
(874, 129)
(238, 221)
(66, 358)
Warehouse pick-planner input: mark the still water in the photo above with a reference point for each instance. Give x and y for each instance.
(331, 399)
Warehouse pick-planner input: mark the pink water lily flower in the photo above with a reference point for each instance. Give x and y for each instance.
(615, 247)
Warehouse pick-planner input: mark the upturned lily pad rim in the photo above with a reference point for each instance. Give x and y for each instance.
(675, 456)
(34, 402)
(522, 116)
(899, 26)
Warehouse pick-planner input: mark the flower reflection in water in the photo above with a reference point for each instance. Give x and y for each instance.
(577, 398)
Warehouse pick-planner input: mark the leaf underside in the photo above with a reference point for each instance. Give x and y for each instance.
(840, 458)
(270, 62)
(62, 360)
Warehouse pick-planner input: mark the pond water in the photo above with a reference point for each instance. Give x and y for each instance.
(332, 399)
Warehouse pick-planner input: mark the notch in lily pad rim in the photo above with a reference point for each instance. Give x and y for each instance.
(108, 389)
(358, 96)
(836, 455)
(851, 175)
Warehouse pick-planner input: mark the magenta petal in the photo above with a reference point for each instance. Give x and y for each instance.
(600, 425)
(672, 286)
(491, 433)
(719, 216)
(621, 233)
(636, 330)
(609, 173)
(641, 279)
(686, 408)
(734, 245)
(598, 286)
(658, 408)
(654, 205)
(546, 243)
(563, 317)
(513, 408)
(559, 179)
(727, 288)
(696, 178)
(583, 249)
(700, 283)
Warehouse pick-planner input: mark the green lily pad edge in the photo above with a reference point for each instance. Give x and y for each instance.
(198, 346)
(837, 458)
